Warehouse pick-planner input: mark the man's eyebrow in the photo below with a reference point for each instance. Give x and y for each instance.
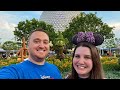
(40, 39)
(36, 39)
(46, 40)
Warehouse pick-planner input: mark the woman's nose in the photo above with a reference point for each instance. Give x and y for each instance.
(81, 61)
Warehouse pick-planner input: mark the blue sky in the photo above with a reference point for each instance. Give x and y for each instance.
(10, 19)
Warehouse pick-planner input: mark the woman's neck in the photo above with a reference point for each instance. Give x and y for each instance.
(84, 76)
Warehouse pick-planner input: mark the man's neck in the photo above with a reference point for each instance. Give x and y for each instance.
(38, 62)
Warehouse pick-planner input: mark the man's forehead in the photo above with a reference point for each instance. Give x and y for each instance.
(39, 35)
(45, 39)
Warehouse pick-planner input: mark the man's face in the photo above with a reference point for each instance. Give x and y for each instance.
(38, 45)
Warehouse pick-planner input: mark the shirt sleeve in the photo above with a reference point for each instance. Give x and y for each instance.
(8, 72)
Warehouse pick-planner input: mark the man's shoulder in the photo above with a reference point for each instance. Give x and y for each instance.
(50, 64)
(14, 66)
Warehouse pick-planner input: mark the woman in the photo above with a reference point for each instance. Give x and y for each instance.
(86, 59)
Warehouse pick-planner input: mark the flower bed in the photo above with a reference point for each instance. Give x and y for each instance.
(110, 65)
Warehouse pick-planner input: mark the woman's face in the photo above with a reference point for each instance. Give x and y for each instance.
(82, 61)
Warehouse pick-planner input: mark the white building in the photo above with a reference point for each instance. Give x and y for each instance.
(59, 19)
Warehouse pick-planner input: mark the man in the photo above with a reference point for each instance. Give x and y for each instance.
(35, 67)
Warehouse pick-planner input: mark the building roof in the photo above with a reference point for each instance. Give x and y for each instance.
(2, 50)
(59, 19)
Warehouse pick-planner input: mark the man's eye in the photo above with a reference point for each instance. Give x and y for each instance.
(36, 41)
(45, 42)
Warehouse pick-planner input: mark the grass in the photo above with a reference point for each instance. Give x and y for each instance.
(112, 74)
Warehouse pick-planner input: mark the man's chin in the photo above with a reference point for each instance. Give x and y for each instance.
(41, 57)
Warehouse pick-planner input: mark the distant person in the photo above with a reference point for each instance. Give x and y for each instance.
(35, 67)
(86, 59)
(4, 55)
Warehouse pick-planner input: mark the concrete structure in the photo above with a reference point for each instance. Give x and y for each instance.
(59, 19)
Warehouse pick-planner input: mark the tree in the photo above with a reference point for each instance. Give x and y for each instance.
(0, 42)
(25, 27)
(110, 43)
(87, 22)
(117, 41)
(9, 45)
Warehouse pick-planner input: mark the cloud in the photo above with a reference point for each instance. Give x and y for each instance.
(4, 25)
(116, 29)
(10, 19)
(7, 21)
(116, 25)
(7, 26)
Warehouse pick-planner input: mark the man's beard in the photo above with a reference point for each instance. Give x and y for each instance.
(36, 58)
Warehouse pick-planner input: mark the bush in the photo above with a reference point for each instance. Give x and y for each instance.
(112, 74)
(111, 67)
(64, 65)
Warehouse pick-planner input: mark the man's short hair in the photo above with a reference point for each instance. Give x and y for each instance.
(38, 29)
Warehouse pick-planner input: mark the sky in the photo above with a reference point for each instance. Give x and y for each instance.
(10, 19)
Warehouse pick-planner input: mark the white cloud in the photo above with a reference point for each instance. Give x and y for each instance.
(7, 26)
(7, 22)
(116, 25)
(116, 29)
(10, 19)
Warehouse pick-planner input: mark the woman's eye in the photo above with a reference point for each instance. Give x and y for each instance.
(77, 56)
(88, 57)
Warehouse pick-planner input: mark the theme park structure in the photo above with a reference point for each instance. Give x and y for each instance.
(23, 51)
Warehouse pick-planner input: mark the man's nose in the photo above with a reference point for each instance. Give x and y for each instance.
(41, 44)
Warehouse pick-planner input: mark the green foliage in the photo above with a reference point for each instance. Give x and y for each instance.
(87, 22)
(112, 71)
(60, 41)
(59, 45)
(112, 74)
(63, 65)
(25, 27)
(110, 43)
(111, 67)
(9, 45)
(117, 41)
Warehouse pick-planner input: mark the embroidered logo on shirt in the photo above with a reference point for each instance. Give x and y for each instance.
(45, 77)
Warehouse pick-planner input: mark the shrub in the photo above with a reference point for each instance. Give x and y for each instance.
(111, 67)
